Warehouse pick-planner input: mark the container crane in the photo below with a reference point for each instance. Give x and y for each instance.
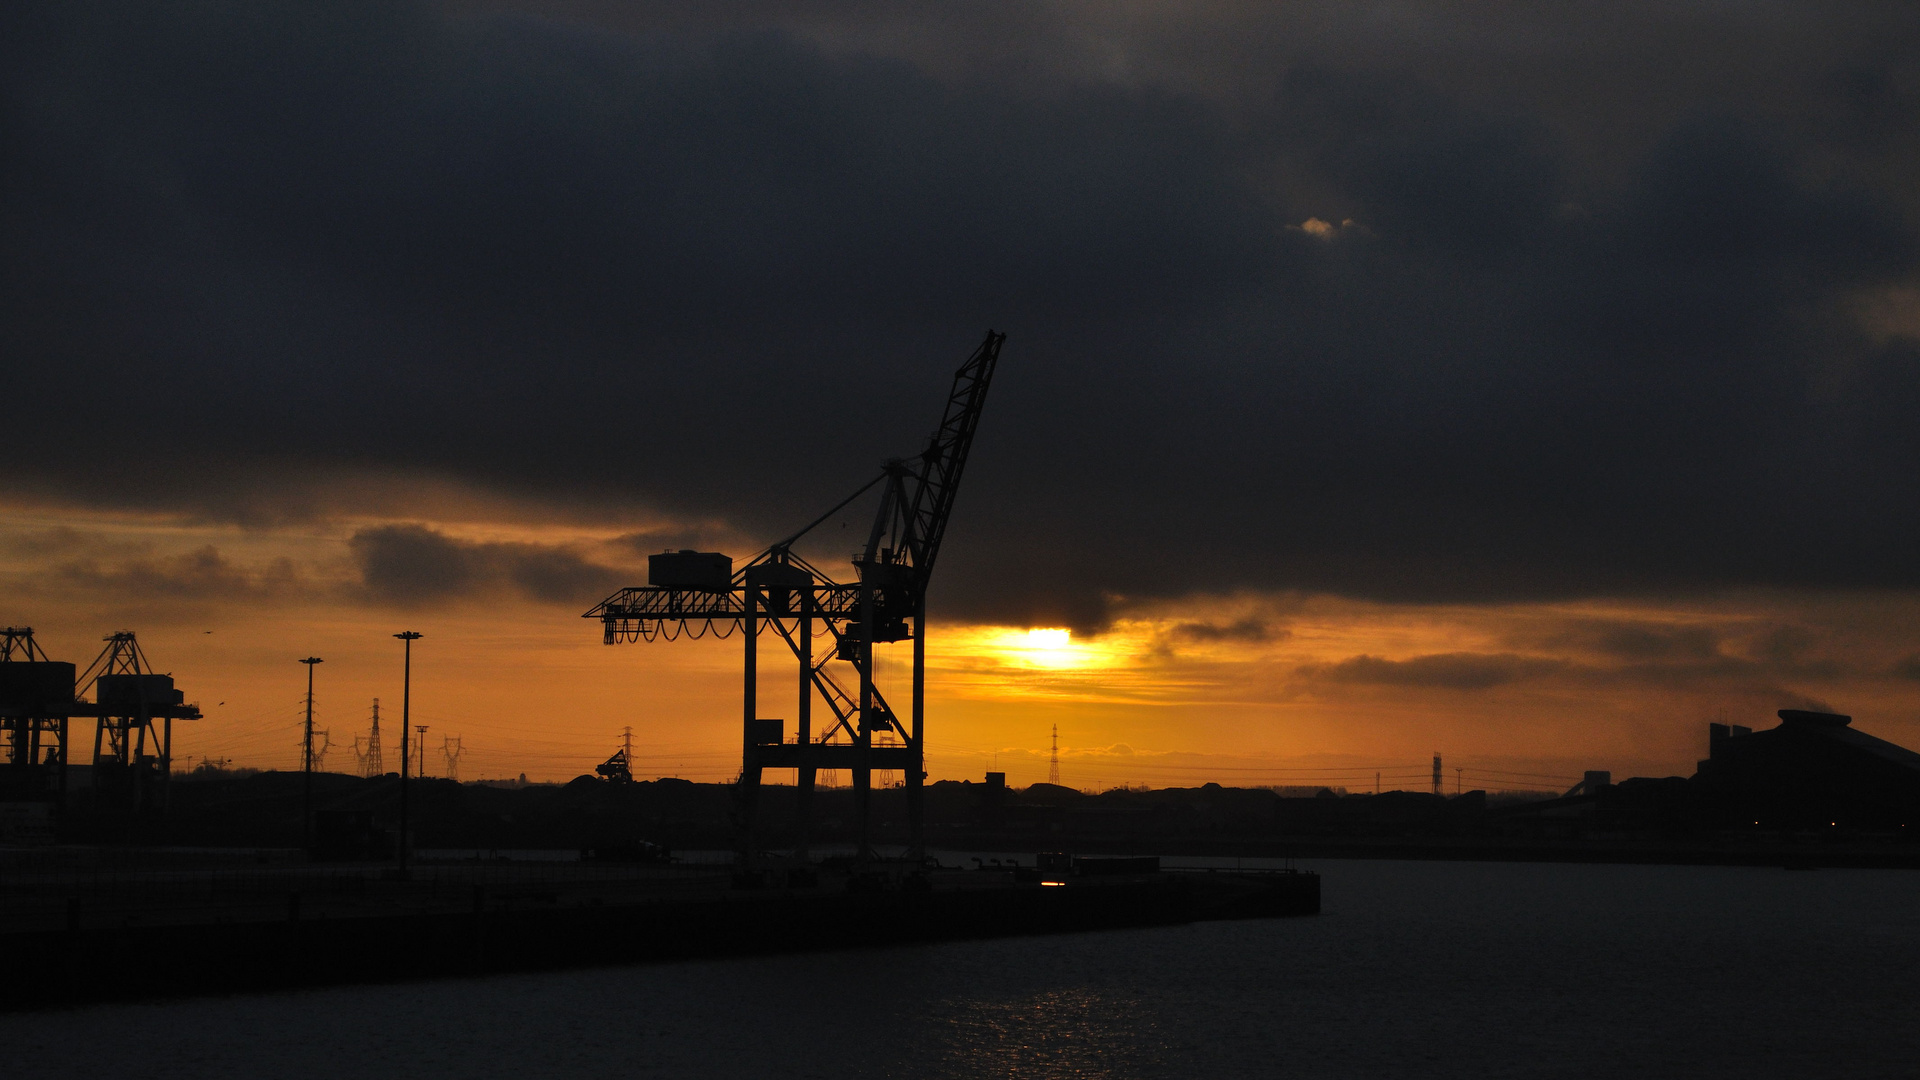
(692, 593)
(133, 739)
(36, 700)
(132, 755)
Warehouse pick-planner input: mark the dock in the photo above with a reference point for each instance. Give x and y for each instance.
(242, 929)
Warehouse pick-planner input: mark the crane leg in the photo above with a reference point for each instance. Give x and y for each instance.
(804, 778)
(863, 731)
(747, 791)
(863, 795)
(916, 764)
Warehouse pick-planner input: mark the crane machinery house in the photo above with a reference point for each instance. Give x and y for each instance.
(689, 569)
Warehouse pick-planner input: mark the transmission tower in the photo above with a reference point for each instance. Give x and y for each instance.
(420, 747)
(450, 749)
(1053, 764)
(1438, 787)
(375, 765)
(618, 769)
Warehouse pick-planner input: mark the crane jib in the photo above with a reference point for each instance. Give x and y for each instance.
(915, 507)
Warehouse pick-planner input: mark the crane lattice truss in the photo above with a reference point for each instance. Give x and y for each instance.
(778, 591)
(36, 697)
(135, 708)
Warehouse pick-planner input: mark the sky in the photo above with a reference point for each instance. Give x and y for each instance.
(1527, 385)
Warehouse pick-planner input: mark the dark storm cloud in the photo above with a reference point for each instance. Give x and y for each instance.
(679, 538)
(1253, 629)
(1635, 640)
(204, 574)
(1607, 672)
(717, 275)
(412, 565)
(1448, 671)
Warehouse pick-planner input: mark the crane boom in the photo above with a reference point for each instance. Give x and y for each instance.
(946, 457)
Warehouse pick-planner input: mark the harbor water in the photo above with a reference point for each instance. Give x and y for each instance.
(1450, 969)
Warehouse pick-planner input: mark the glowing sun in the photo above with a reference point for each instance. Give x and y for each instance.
(1051, 647)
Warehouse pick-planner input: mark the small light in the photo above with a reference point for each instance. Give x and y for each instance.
(1053, 883)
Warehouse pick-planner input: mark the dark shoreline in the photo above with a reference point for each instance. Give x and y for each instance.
(85, 964)
(1810, 855)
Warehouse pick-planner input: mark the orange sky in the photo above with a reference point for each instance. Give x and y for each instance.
(1250, 689)
(442, 316)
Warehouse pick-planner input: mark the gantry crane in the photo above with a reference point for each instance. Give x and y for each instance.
(692, 593)
(132, 759)
(36, 700)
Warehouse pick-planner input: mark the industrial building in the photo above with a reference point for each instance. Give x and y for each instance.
(1815, 770)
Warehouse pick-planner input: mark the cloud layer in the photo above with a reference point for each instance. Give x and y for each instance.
(1584, 336)
(411, 565)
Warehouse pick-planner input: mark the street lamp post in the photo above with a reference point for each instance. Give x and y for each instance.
(306, 763)
(406, 701)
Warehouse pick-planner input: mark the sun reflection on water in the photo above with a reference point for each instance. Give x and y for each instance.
(1066, 1032)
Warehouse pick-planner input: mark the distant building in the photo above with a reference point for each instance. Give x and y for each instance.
(1813, 771)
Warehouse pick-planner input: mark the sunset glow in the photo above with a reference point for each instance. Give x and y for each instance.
(1050, 648)
(1254, 688)
(1253, 496)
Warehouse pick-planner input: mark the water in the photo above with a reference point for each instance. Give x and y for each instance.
(1439, 969)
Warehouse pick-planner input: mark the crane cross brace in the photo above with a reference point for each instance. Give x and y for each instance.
(624, 611)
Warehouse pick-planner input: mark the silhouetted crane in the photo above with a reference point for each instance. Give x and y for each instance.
(36, 700)
(691, 593)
